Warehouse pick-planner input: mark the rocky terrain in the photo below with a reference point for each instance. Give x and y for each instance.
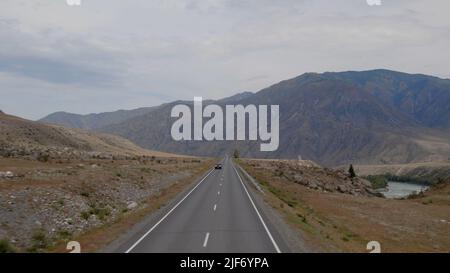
(332, 221)
(313, 176)
(20, 138)
(367, 117)
(58, 184)
(43, 204)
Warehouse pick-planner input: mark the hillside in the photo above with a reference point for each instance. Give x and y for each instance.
(331, 121)
(424, 98)
(430, 172)
(369, 117)
(92, 121)
(20, 137)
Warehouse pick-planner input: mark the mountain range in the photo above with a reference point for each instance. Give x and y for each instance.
(333, 118)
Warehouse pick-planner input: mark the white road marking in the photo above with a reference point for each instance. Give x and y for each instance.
(205, 243)
(215, 207)
(259, 215)
(167, 214)
(220, 184)
(218, 193)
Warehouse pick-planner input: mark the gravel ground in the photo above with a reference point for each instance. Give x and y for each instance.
(47, 202)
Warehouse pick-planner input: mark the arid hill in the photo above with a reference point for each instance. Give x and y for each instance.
(21, 137)
(368, 117)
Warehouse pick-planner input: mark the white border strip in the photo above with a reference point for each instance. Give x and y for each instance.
(257, 212)
(167, 214)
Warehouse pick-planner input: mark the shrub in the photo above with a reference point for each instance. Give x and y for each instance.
(64, 235)
(378, 181)
(38, 241)
(43, 157)
(85, 215)
(6, 247)
(84, 194)
(101, 212)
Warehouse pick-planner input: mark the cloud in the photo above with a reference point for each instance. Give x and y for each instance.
(139, 53)
(53, 71)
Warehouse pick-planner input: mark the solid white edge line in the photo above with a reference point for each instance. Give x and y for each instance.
(257, 212)
(205, 243)
(167, 214)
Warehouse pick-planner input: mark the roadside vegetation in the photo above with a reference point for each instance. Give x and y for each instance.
(335, 221)
(6, 247)
(47, 204)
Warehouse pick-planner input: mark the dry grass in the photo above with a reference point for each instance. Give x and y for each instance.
(341, 222)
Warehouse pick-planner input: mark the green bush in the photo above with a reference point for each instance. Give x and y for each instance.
(39, 241)
(6, 247)
(378, 181)
(101, 211)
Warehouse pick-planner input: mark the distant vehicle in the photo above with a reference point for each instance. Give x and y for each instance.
(218, 167)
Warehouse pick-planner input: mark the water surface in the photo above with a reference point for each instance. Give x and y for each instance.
(403, 189)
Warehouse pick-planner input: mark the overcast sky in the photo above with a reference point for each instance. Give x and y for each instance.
(113, 54)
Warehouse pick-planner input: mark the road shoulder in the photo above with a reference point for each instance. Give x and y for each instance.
(290, 239)
(125, 240)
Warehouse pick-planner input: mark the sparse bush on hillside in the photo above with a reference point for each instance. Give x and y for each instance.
(42, 157)
(85, 194)
(65, 235)
(6, 247)
(100, 211)
(39, 241)
(85, 215)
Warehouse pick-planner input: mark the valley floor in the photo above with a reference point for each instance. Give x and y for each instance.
(43, 205)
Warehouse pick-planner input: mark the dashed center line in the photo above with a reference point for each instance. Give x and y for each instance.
(215, 207)
(205, 242)
(218, 193)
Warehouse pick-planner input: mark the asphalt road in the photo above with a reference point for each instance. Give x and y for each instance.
(218, 215)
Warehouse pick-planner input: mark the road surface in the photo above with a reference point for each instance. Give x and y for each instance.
(218, 215)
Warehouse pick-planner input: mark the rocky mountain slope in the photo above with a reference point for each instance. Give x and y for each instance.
(424, 98)
(21, 138)
(92, 121)
(368, 117)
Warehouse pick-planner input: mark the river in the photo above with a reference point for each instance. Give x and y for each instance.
(402, 189)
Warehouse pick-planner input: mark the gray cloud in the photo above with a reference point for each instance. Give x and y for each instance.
(135, 53)
(53, 71)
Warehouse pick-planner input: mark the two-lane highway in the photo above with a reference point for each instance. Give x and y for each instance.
(217, 215)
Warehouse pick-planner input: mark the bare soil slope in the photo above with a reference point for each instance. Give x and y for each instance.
(20, 137)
